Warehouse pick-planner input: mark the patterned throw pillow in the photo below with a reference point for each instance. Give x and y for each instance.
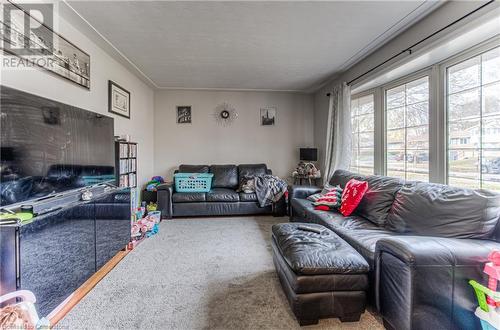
(351, 197)
(330, 200)
(328, 187)
(314, 197)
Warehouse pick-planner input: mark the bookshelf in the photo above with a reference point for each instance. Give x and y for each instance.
(126, 164)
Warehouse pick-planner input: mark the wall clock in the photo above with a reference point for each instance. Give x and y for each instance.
(225, 114)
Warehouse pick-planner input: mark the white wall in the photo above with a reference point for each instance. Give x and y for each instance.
(102, 68)
(245, 141)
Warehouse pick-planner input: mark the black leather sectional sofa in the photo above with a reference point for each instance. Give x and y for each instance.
(423, 242)
(224, 197)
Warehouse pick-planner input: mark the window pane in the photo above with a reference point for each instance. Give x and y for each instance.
(417, 91)
(366, 157)
(366, 123)
(491, 66)
(354, 124)
(461, 182)
(365, 104)
(491, 132)
(395, 162)
(464, 105)
(417, 137)
(464, 134)
(464, 163)
(396, 139)
(474, 122)
(396, 173)
(490, 169)
(491, 99)
(396, 118)
(407, 135)
(366, 140)
(417, 114)
(396, 97)
(417, 165)
(464, 75)
(362, 119)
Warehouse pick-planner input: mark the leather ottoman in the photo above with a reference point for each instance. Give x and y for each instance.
(321, 275)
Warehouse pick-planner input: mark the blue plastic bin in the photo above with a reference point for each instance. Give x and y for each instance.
(193, 182)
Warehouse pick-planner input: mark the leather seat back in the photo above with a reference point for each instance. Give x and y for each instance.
(225, 176)
(193, 169)
(440, 210)
(251, 170)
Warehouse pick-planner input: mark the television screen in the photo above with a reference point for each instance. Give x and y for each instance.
(47, 147)
(309, 154)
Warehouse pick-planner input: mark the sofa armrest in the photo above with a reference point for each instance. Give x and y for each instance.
(164, 199)
(422, 282)
(269, 171)
(303, 191)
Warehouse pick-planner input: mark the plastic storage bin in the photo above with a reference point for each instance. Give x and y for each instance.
(193, 182)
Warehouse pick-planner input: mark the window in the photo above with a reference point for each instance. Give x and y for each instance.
(362, 119)
(473, 113)
(407, 130)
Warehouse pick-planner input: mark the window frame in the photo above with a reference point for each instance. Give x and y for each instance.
(438, 111)
(427, 72)
(475, 51)
(360, 95)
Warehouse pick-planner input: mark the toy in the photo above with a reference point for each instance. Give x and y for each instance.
(22, 314)
(488, 298)
(154, 183)
(151, 207)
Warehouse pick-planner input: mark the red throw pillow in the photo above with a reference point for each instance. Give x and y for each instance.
(351, 196)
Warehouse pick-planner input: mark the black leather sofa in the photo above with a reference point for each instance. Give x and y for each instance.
(423, 242)
(224, 197)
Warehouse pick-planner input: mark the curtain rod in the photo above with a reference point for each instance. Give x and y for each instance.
(409, 49)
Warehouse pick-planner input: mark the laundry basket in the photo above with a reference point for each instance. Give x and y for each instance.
(193, 182)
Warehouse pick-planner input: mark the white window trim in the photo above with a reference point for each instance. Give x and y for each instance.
(398, 82)
(438, 139)
(443, 67)
(362, 94)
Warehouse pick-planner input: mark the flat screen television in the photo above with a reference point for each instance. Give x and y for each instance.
(47, 147)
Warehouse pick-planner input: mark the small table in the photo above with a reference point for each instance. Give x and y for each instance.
(300, 179)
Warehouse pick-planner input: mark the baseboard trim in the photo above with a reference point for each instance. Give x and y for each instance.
(67, 305)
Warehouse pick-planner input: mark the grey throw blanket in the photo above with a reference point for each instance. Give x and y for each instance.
(269, 189)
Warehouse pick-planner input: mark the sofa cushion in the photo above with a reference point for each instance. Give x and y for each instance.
(317, 251)
(222, 195)
(193, 168)
(246, 170)
(341, 177)
(360, 233)
(183, 197)
(439, 210)
(251, 197)
(225, 176)
(300, 206)
(378, 199)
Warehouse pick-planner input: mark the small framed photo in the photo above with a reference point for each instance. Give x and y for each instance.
(268, 116)
(183, 114)
(118, 100)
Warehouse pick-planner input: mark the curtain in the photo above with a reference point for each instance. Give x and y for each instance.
(338, 137)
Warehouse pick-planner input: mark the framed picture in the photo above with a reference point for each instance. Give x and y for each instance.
(268, 116)
(183, 114)
(53, 52)
(118, 100)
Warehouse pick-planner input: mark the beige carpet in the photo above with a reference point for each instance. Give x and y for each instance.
(207, 273)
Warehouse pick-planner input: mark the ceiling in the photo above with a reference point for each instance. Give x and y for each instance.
(282, 46)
